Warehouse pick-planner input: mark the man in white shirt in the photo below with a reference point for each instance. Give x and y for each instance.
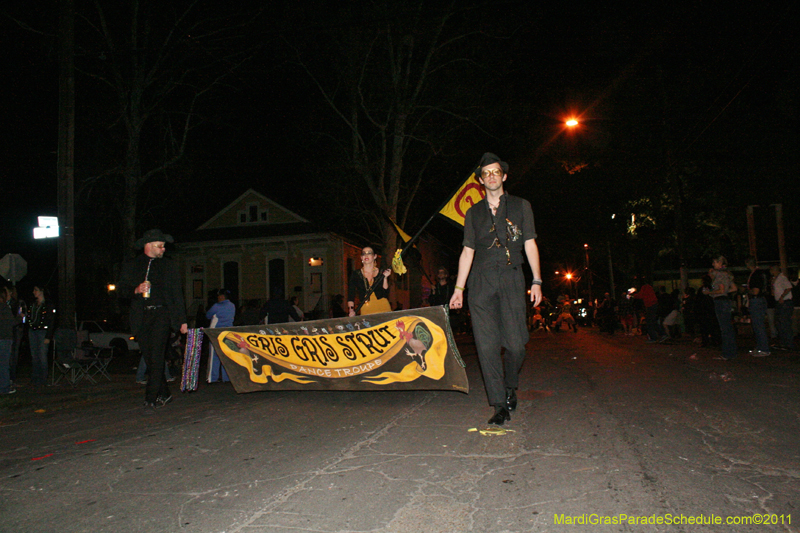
(784, 307)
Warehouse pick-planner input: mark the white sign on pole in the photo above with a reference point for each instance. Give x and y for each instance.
(48, 228)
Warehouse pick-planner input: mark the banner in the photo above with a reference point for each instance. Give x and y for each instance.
(402, 350)
(469, 194)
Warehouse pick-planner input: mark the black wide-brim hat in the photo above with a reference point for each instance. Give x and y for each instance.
(489, 158)
(153, 235)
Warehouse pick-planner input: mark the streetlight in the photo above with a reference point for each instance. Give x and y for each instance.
(571, 123)
(571, 279)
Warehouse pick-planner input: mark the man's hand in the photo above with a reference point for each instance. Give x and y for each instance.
(457, 300)
(536, 295)
(140, 288)
(184, 328)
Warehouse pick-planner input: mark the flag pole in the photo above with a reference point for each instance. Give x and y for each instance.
(407, 245)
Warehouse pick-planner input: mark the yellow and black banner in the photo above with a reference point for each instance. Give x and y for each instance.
(401, 350)
(469, 194)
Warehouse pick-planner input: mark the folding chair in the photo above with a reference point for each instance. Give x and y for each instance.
(97, 360)
(68, 360)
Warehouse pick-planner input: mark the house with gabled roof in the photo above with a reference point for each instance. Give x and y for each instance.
(257, 248)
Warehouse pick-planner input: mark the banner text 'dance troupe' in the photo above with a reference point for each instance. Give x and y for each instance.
(411, 349)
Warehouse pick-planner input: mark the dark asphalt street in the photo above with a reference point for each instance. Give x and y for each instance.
(607, 429)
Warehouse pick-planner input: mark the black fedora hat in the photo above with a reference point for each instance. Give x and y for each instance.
(153, 235)
(489, 158)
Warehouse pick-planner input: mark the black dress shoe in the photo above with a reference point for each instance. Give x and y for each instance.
(511, 399)
(501, 414)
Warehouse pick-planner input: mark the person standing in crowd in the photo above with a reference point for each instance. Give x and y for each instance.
(41, 329)
(249, 313)
(154, 286)
(337, 309)
(20, 310)
(687, 310)
(499, 235)
(671, 322)
(278, 310)
(772, 328)
(200, 316)
(225, 311)
(293, 301)
(536, 320)
(721, 287)
(650, 301)
(706, 316)
(442, 290)
(607, 312)
(366, 278)
(757, 287)
(665, 306)
(626, 313)
(784, 308)
(7, 323)
(565, 315)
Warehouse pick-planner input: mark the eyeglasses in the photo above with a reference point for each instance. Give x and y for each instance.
(158, 245)
(367, 253)
(492, 171)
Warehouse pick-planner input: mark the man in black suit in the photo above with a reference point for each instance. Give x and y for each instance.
(153, 284)
(499, 237)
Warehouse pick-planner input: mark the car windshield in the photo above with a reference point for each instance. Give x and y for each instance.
(92, 327)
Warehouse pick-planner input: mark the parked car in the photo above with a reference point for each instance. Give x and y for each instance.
(103, 337)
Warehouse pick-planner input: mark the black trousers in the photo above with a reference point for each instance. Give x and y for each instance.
(498, 309)
(153, 343)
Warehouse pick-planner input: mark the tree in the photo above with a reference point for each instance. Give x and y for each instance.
(393, 80)
(151, 67)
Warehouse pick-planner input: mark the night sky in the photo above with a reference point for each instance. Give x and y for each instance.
(711, 85)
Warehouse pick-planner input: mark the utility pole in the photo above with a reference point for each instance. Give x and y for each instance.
(781, 238)
(751, 230)
(66, 166)
(611, 272)
(588, 271)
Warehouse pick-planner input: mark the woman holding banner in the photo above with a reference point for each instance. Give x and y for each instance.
(370, 285)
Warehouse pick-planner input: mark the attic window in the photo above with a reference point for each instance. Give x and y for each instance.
(253, 214)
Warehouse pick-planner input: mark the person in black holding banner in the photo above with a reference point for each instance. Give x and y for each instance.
(154, 286)
(364, 279)
(499, 234)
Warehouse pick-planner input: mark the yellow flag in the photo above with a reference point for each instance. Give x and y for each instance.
(403, 235)
(467, 195)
